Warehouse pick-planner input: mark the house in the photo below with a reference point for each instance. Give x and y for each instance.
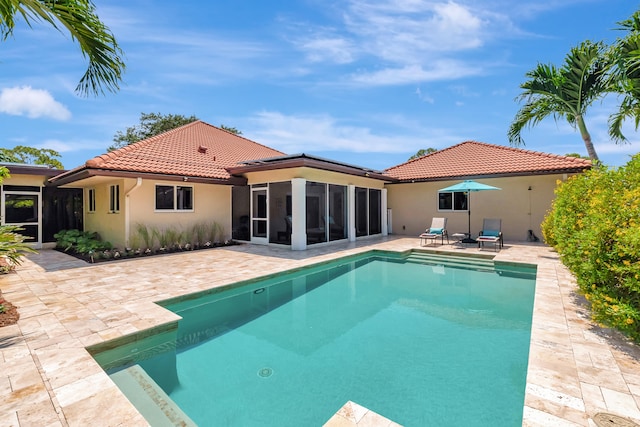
(199, 173)
(41, 210)
(527, 180)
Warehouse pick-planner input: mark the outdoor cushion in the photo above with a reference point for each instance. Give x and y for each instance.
(435, 230)
(491, 233)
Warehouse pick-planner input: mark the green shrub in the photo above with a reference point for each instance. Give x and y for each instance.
(82, 242)
(173, 237)
(12, 246)
(146, 235)
(594, 224)
(199, 232)
(66, 239)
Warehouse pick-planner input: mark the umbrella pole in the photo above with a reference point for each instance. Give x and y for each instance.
(468, 239)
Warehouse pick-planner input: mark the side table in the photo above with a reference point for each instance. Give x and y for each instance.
(458, 238)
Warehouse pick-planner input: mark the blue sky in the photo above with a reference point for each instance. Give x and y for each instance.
(366, 82)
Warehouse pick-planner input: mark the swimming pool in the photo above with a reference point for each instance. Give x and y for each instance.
(419, 341)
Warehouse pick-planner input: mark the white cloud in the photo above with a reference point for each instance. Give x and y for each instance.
(414, 73)
(75, 151)
(403, 31)
(632, 147)
(33, 103)
(424, 97)
(320, 133)
(64, 146)
(407, 41)
(334, 49)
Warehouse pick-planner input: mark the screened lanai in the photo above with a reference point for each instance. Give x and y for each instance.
(303, 200)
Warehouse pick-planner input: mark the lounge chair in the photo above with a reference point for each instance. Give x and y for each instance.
(437, 230)
(491, 233)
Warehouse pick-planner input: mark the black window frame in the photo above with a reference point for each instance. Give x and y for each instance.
(454, 201)
(91, 200)
(176, 198)
(114, 198)
(184, 198)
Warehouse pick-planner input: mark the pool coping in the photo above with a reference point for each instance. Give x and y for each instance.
(576, 368)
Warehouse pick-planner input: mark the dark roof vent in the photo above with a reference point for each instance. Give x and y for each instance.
(202, 149)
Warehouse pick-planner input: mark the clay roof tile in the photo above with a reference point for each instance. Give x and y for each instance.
(197, 149)
(472, 158)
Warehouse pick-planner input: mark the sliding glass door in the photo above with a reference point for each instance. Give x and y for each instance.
(259, 215)
(22, 209)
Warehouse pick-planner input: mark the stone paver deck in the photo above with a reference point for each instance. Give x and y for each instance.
(47, 378)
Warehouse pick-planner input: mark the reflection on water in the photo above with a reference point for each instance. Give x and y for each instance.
(421, 344)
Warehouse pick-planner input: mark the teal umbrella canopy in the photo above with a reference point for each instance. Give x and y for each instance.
(469, 186)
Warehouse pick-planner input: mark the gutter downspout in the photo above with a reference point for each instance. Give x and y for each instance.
(127, 225)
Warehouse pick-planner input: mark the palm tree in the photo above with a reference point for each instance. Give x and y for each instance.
(96, 41)
(624, 59)
(564, 92)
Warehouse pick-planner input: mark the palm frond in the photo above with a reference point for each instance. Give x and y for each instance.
(562, 92)
(532, 113)
(632, 24)
(629, 108)
(585, 72)
(96, 41)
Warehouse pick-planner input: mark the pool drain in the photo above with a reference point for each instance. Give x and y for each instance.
(265, 372)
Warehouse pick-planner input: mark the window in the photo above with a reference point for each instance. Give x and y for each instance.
(114, 198)
(174, 197)
(454, 201)
(375, 211)
(362, 213)
(164, 197)
(337, 212)
(91, 200)
(184, 198)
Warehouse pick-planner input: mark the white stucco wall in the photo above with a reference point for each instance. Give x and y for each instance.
(415, 204)
(211, 203)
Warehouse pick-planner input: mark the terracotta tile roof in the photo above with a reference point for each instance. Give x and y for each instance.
(478, 159)
(197, 149)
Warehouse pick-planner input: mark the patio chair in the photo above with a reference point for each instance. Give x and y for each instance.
(491, 233)
(437, 230)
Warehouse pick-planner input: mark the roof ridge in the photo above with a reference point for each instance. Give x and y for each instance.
(243, 137)
(438, 151)
(119, 152)
(112, 155)
(425, 155)
(538, 153)
(474, 158)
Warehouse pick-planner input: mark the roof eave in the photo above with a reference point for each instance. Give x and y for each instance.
(309, 162)
(494, 175)
(19, 169)
(85, 173)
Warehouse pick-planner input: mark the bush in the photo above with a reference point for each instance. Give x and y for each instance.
(81, 242)
(12, 247)
(594, 224)
(175, 237)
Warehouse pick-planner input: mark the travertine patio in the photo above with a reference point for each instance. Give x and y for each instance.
(47, 378)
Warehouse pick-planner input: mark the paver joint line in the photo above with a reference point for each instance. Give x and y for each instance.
(575, 367)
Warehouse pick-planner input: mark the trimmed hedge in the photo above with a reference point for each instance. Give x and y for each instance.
(594, 224)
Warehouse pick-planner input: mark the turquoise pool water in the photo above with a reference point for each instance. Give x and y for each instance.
(419, 343)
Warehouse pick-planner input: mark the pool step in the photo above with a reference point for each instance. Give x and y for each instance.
(467, 262)
(149, 399)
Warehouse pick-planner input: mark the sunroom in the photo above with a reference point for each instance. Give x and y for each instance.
(301, 200)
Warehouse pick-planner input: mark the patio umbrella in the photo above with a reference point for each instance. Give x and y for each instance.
(469, 186)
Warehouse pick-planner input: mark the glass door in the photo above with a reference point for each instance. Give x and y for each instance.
(22, 209)
(259, 216)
